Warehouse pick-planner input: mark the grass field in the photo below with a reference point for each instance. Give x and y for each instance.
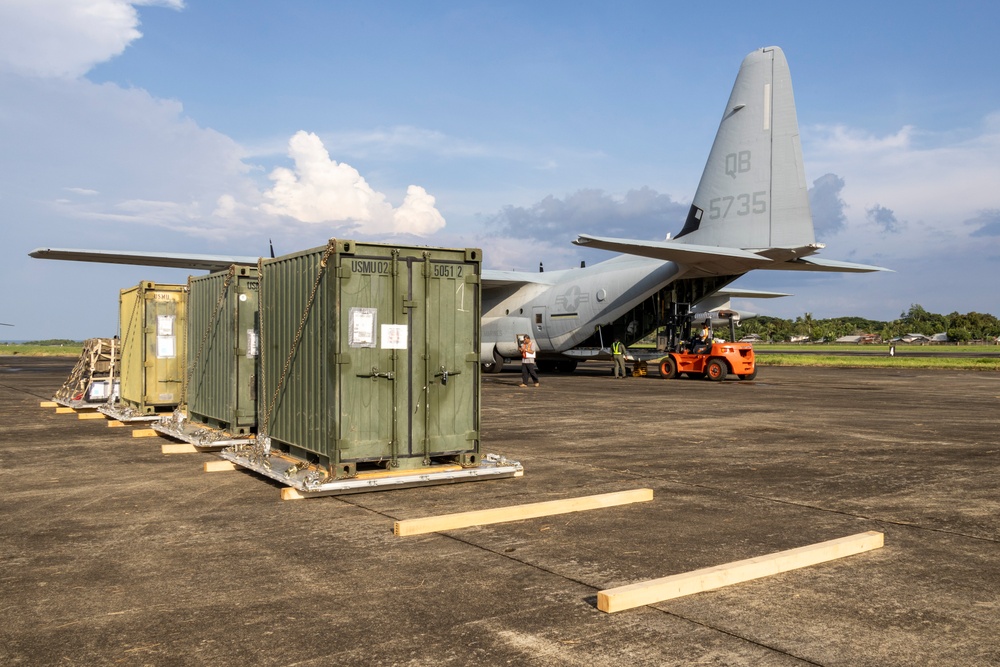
(41, 350)
(877, 356)
(767, 355)
(970, 363)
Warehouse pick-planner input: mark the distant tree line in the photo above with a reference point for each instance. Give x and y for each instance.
(960, 328)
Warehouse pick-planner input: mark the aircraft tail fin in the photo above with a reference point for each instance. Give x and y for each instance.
(753, 194)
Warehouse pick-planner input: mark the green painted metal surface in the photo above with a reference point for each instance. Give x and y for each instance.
(221, 389)
(152, 330)
(370, 355)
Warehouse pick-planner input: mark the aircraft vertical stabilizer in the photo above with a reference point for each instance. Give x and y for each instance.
(753, 193)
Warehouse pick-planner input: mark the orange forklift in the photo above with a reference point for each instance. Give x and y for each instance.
(704, 359)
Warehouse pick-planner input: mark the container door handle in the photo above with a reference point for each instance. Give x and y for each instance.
(444, 373)
(375, 374)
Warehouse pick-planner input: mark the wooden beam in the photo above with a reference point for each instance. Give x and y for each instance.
(433, 524)
(114, 423)
(48, 404)
(65, 411)
(178, 449)
(291, 493)
(144, 433)
(219, 466)
(709, 578)
(90, 415)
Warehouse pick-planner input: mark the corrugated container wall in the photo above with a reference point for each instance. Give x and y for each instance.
(222, 350)
(152, 331)
(370, 355)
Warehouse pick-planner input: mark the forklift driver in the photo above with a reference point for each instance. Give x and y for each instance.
(703, 342)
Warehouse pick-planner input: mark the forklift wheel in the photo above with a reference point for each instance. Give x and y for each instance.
(668, 369)
(715, 370)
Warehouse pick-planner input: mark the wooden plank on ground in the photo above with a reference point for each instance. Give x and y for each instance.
(184, 448)
(90, 415)
(709, 578)
(64, 411)
(433, 524)
(144, 433)
(219, 466)
(48, 404)
(114, 423)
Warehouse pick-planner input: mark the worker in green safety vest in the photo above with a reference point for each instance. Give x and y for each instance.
(618, 352)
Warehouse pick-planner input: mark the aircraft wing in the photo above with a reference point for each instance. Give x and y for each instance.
(493, 278)
(169, 260)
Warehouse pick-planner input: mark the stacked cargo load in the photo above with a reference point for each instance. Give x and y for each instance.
(369, 368)
(93, 380)
(152, 339)
(219, 402)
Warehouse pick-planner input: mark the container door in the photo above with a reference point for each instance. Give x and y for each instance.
(247, 353)
(372, 370)
(445, 356)
(164, 359)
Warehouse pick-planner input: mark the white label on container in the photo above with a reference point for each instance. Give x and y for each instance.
(394, 336)
(253, 342)
(361, 327)
(165, 325)
(166, 347)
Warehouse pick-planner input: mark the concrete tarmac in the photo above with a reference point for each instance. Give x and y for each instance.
(115, 554)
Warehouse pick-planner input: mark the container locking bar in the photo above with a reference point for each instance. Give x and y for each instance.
(375, 374)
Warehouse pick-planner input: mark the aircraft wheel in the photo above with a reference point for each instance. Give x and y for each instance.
(715, 370)
(668, 369)
(749, 376)
(496, 366)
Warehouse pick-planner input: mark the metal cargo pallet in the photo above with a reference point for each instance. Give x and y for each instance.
(127, 414)
(310, 482)
(77, 405)
(203, 437)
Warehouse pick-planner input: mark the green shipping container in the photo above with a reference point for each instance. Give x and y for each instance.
(152, 331)
(370, 356)
(222, 350)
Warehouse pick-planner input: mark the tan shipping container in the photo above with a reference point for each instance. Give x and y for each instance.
(152, 330)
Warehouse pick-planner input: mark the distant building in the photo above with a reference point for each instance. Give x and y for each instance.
(915, 338)
(860, 339)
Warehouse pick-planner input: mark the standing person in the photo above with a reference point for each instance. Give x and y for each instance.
(618, 352)
(528, 362)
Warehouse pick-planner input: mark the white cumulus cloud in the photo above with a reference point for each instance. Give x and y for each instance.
(320, 190)
(65, 38)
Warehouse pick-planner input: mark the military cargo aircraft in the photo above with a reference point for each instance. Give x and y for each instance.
(750, 211)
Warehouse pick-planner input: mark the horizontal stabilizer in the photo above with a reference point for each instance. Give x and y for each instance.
(169, 260)
(817, 264)
(684, 254)
(737, 293)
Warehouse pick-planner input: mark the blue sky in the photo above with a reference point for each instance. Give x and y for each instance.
(212, 127)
